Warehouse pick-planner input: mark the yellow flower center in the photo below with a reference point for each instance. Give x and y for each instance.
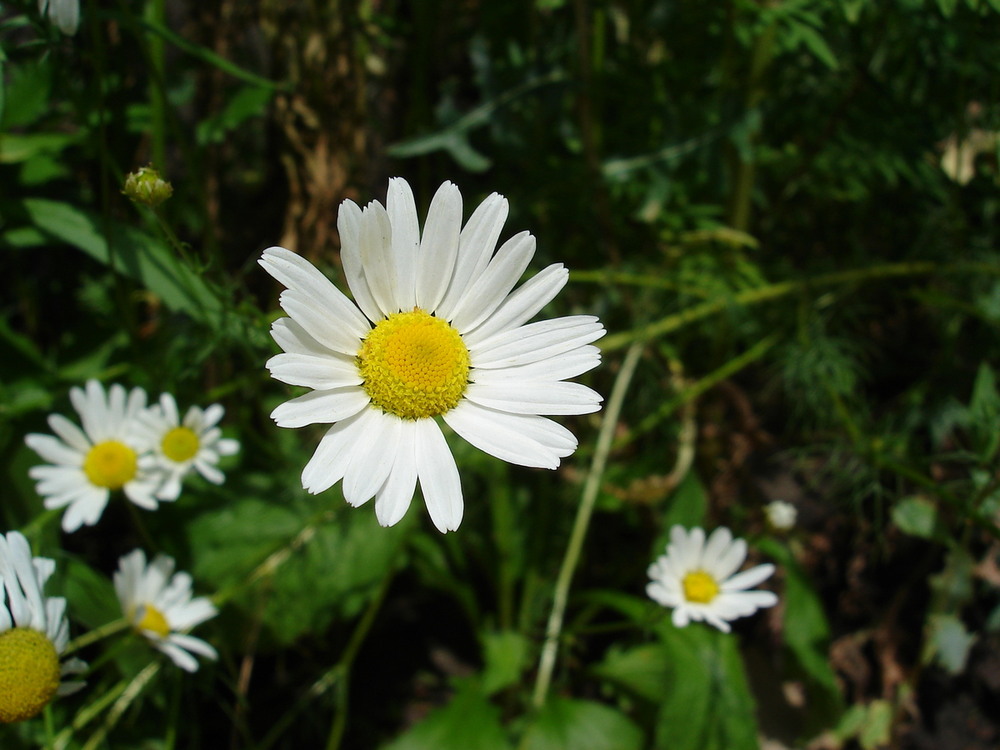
(29, 673)
(153, 620)
(110, 464)
(414, 365)
(180, 444)
(700, 587)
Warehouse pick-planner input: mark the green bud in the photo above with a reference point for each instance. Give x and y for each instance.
(147, 187)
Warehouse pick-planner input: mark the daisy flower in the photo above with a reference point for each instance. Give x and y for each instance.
(196, 444)
(696, 579)
(33, 634)
(434, 331)
(158, 603)
(108, 454)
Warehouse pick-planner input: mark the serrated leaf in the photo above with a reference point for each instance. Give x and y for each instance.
(569, 724)
(468, 721)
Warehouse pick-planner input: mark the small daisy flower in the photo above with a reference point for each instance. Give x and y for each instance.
(158, 603)
(108, 454)
(196, 444)
(33, 634)
(781, 515)
(435, 331)
(696, 579)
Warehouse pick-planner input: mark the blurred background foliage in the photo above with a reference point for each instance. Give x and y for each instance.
(791, 204)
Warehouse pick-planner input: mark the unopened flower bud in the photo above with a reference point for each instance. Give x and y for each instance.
(781, 515)
(147, 187)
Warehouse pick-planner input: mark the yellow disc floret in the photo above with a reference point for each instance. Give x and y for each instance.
(153, 621)
(180, 444)
(29, 673)
(414, 365)
(700, 587)
(110, 464)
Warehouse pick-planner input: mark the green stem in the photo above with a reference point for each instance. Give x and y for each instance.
(550, 649)
(155, 14)
(97, 634)
(129, 694)
(87, 714)
(782, 289)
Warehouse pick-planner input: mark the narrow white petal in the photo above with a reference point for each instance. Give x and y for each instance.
(298, 274)
(523, 304)
(294, 339)
(535, 341)
(86, 511)
(439, 479)
(748, 578)
(495, 283)
(475, 248)
(402, 210)
(322, 322)
(349, 227)
(317, 372)
(395, 496)
(194, 645)
(72, 435)
(53, 450)
(535, 397)
(372, 458)
(330, 460)
(503, 435)
(718, 542)
(560, 367)
(730, 561)
(439, 246)
(320, 407)
(178, 656)
(376, 257)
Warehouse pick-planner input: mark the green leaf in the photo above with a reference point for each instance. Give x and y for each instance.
(26, 96)
(315, 567)
(642, 670)
(15, 147)
(468, 721)
(817, 45)
(569, 724)
(687, 506)
(247, 103)
(506, 655)
(948, 642)
(916, 516)
(706, 702)
(984, 413)
(90, 596)
(131, 252)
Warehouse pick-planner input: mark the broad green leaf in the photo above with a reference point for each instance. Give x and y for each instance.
(131, 252)
(916, 516)
(90, 596)
(16, 147)
(506, 655)
(569, 724)
(26, 95)
(948, 642)
(313, 568)
(468, 722)
(642, 670)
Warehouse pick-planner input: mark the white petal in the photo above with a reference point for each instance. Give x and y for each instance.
(395, 495)
(535, 397)
(294, 339)
(372, 458)
(299, 275)
(439, 246)
(178, 656)
(748, 578)
(53, 450)
(317, 372)
(730, 560)
(320, 407)
(349, 226)
(85, 511)
(330, 460)
(506, 436)
(376, 257)
(560, 367)
(322, 322)
(535, 341)
(402, 210)
(522, 304)
(475, 248)
(439, 479)
(72, 435)
(495, 283)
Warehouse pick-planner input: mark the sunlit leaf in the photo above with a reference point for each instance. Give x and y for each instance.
(568, 724)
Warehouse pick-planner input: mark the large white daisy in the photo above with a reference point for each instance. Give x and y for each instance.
(33, 634)
(434, 331)
(109, 453)
(180, 447)
(159, 605)
(696, 579)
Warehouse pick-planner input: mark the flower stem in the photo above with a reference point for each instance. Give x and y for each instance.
(95, 635)
(550, 648)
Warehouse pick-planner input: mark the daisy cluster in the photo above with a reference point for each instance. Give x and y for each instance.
(123, 443)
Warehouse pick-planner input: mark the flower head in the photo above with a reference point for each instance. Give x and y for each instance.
(180, 447)
(108, 454)
(435, 330)
(33, 634)
(696, 579)
(158, 603)
(145, 186)
(781, 515)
